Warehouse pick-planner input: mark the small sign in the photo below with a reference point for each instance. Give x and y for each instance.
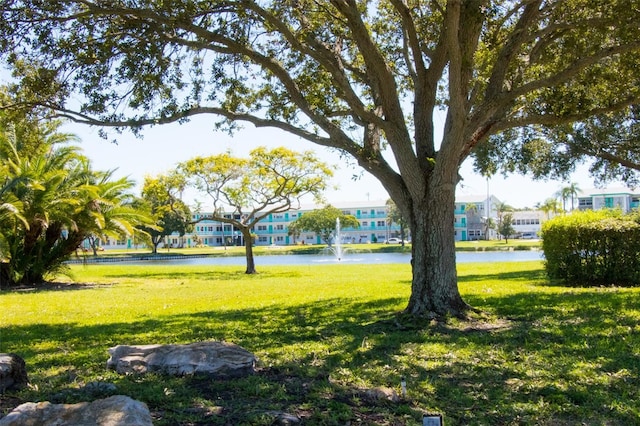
(432, 420)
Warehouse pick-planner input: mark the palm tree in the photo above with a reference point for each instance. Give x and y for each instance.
(57, 201)
(471, 209)
(550, 205)
(502, 208)
(569, 193)
(573, 190)
(488, 225)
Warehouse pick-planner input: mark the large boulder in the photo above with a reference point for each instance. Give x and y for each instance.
(118, 410)
(13, 372)
(211, 358)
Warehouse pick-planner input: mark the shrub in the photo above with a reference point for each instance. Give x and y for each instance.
(593, 247)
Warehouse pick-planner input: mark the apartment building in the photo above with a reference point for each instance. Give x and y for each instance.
(608, 198)
(274, 229)
(527, 223)
(470, 218)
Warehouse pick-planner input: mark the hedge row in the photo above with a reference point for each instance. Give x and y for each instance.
(593, 247)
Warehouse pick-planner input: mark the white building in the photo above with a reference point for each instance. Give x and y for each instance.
(470, 224)
(608, 198)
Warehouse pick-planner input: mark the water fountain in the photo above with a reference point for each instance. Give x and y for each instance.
(337, 250)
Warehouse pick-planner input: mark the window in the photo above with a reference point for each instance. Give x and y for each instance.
(279, 238)
(262, 239)
(365, 223)
(381, 223)
(262, 227)
(280, 227)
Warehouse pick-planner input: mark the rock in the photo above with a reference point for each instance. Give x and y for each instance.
(118, 410)
(212, 358)
(381, 393)
(284, 419)
(13, 372)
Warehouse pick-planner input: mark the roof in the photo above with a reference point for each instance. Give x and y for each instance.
(594, 192)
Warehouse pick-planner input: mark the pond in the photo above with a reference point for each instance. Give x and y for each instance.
(348, 258)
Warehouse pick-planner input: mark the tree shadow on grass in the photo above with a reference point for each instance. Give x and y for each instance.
(208, 274)
(532, 275)
(567, 357)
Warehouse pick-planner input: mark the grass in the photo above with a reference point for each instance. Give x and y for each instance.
(542, 355)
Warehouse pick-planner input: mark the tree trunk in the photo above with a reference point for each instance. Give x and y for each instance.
(248, 249)
(5, 280)
(435, 281)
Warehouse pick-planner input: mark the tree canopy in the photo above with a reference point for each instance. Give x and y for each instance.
(505, 226)
(323, 222)
(244, 191)
(161, 196)
(394, 215)
(361, 77)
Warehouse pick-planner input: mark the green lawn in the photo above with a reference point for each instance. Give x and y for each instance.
(542, 355)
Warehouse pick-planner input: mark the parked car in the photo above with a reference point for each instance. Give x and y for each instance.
(395, 241)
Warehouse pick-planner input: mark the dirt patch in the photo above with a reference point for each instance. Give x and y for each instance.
(479, 325)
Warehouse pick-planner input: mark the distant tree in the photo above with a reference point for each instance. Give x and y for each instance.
(505, 227)
(268, 182)
(161, 195)
(569, 192)
(471, 208)
(394, 215)
(323, 223)
(550, 205)
(489, 224)
(501, 210)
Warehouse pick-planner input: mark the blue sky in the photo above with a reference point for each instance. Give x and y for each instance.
(164, 146)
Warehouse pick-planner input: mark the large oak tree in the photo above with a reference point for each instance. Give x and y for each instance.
(362, 77)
